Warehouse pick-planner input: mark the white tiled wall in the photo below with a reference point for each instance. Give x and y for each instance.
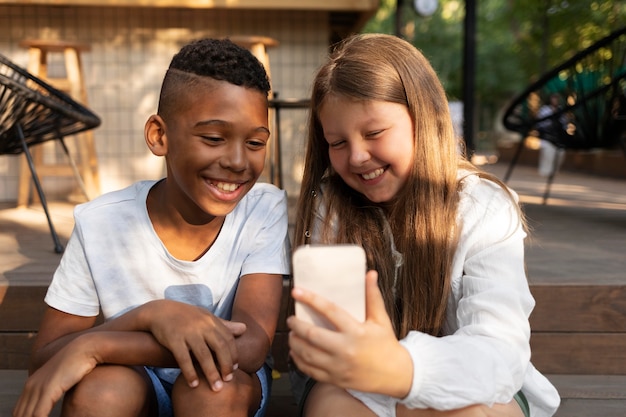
(130, 51)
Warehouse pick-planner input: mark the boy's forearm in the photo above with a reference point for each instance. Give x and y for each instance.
(137, 319)
(134, 320)
(134, 348)
(252, 353)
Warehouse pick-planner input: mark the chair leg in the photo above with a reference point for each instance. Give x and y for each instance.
(58, 248)
(77, 175)
(553, 170)
(516, 156)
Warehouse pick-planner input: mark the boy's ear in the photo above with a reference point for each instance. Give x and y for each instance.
(154, 134)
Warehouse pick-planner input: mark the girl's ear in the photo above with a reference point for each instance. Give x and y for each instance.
(154, 134)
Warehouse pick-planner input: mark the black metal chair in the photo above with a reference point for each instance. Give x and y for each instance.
(591, 85)
(32, 112)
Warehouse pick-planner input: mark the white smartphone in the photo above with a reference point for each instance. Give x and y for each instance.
(337, 273)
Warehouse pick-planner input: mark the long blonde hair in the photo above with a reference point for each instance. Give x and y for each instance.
(422, 218)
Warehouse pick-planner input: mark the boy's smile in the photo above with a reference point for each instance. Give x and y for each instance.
(215, 147)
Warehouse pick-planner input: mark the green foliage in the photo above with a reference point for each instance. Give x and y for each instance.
(516, 41)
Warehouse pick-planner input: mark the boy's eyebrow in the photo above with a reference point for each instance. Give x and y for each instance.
(227, 124)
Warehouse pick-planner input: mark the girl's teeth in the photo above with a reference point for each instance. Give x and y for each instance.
(374, 174)
(225, 186)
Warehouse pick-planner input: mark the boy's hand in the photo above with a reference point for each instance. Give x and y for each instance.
(48, 384)
(194, 334)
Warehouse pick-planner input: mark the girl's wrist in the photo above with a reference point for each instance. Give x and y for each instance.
(402, 374)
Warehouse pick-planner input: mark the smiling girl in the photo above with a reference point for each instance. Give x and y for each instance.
(447, 299)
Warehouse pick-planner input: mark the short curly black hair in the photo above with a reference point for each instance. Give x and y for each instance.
(219, 59)
(223, 60)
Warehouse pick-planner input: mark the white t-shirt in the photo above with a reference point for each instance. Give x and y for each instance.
(484, 358)
(115, 261)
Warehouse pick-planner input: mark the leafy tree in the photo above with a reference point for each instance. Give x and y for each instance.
(516, 41)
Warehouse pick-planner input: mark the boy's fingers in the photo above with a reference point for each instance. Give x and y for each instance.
(185, 363)
(216, 354)
(211, 373)
(211, 367)
(225, 355)
(32, 405)
(235, 327)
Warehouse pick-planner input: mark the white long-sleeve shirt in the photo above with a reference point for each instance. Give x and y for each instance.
(484, 357)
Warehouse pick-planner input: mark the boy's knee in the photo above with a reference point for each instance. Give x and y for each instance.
(239, 397)
(110, 390)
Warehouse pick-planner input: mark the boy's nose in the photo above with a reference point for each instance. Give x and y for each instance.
(234, 158)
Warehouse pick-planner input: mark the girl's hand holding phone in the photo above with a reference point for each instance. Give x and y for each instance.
(352, 354)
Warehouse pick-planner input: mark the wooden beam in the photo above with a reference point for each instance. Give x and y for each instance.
(21, 307)
(319, 5)
(579, 353)
(15, 349)
(579, 308)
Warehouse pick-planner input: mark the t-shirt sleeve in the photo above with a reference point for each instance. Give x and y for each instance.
(72, 289)
(270, 249)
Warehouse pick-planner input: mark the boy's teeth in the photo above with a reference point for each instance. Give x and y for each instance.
(373, 174)
(226, 186)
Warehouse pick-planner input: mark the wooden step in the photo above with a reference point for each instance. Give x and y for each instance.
(591, 395)
(579, 329)
(576, 329)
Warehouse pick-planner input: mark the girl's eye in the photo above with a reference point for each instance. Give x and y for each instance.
(257, 143)
(374, 133)
(336, 144)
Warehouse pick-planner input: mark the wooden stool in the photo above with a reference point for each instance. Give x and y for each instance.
(258, 45)
(86, 173)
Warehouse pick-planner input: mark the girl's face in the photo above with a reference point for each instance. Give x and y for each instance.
(370, 144)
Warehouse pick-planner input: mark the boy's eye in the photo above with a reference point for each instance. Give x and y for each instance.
(213, 139)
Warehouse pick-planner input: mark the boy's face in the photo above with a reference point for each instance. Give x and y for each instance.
(216, 144)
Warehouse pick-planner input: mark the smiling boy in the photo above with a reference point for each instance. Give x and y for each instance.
(187, 271)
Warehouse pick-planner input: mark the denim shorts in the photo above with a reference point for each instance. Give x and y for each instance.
(163, 391)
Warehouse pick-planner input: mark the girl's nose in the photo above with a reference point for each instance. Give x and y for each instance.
(359, 154)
